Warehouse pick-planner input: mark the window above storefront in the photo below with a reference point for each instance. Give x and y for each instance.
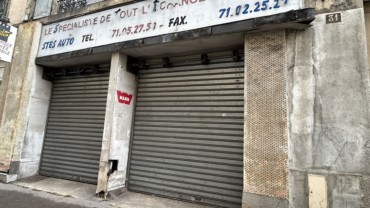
(46, 8)
(3, 11)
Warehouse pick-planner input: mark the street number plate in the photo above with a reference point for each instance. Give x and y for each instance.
(332, 18)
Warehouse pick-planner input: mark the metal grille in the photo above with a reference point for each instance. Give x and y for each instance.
(3, 10)
(70, 5)
(75, 126)
(188, 134)
(266, 119)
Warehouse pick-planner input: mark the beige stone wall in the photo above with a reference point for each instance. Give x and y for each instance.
(265, 150)
(4, 78)
(2, 66)
(17, 11)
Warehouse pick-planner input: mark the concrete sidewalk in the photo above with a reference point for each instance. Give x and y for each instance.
(84, 194)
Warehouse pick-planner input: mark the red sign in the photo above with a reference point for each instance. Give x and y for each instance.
(124, 98)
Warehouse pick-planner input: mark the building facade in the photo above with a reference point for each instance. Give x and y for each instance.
(253, 104)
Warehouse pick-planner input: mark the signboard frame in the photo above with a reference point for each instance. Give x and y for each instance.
(151, 18)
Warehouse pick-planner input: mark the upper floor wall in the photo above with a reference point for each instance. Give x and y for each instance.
(64, 8)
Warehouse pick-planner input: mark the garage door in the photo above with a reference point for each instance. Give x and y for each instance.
(188, 133)
(75, 126)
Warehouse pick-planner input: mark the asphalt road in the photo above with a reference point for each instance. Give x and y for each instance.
(12, 196)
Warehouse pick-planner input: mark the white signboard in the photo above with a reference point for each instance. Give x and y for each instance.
(151, 18)
(7, 39)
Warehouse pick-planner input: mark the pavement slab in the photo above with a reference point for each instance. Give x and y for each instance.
(77, 195)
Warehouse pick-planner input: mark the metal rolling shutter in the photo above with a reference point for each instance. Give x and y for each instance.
(75, 126)
(188, 134)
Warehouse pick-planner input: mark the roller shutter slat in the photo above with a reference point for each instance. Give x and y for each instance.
(179, 146)
(71, 146)
(69, 155)
(192, 114)
(94, 78)
(188, 125)
(175, 140)
(60, 123)
(192, 88)
(80, 105)
(180, 156)
(183, 183)
(81, 92)
(80, 142)
(84, 116)
(180, 98)
(200, 153)
(75, 121)
(78, 101)
(191, 93)
(187, 169)
(192, 83)
(78, 160)
(190, 130)
(206, 77)
(188, 136)
(67, 108)
(194, 68)
(69, 96)
(187, 109)
(200, 176)
(79, 88)
(167, 186)
(196, 72)
(190, 120)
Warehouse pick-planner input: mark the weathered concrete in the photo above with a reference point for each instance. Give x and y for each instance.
(34, 96)
(117, 128)
(38, 113)
(18, 97)
(298, 189)
(7, 178)
(333, 5)
(59, 186)
(329, 126)
(33, 141)
(261, 201)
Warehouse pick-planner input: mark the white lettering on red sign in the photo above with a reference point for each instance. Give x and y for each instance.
(124, 98)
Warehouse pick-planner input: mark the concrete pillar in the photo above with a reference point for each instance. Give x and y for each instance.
(117, 127)
(36, 125)
(265, 138)
(25, 109)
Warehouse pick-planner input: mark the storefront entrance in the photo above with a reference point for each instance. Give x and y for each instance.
(75, 124)
(188, 130)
